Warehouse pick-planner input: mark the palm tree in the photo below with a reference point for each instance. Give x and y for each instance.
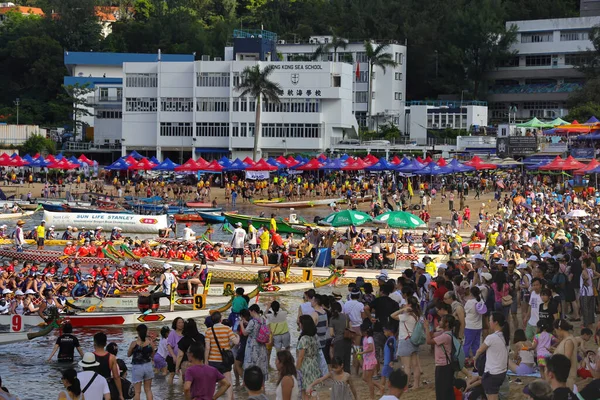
(335, 44)
(376, 57)
(255, 83)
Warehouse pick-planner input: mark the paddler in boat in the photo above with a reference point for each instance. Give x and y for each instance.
(68, 234)
(5, 301)
(163, 289)
(51, 234)
(28, 303)
(19, 236)
(70, 249)
(115, 234)
(17, 306)
(48, 304)
(3, 232)
(48, 283)
(188, 233)
(84, 251)
(197, 278)
(111, 287)
(83, 288)
(282, 266)
(142, 276)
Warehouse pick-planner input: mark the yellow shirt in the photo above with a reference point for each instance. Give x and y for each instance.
(431, 268)
(492, 238)
(41, 232)
(273, 225)
(264, 240)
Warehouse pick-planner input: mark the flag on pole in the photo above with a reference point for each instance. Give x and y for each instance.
(410, 188)
(357, 71)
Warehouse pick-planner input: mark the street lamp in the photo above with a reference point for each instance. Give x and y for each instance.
(17, 102)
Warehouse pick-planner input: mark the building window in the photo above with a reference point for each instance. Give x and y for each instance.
(337, 81)
(243, 104)
(509, 62)
(141, 80)
(103, 93)
(176, 104)
(212, 129)
(213, 79)
(398, 76)
(140, 104)
(120, 94)
(537, 37)
(291, 130)
(292, 106)
(540, 105)
(107, 114)
(360, 97)
(398, 96)
(252, 105)
(178, 129)
(361, 118)
(363, 77)
(576, 59)
(541, 60)
(236, 79)
(568, 36)
(399, 58)
(213, 104)
(361, 57)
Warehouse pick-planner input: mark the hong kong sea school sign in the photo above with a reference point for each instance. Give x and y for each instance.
(516, 146)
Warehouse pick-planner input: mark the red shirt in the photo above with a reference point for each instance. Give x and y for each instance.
(439, 293)
(83, 252)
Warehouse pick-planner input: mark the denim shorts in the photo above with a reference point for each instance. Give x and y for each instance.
(141, 372)
(281, 341)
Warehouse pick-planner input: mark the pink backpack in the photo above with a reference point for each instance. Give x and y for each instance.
(264, 333)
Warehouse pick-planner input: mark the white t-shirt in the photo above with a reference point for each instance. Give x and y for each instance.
(406, 325)
(497, 354)
(239, 235)
(534, 301)
(472, 317)
(97, 389)
(252, 238)
(340, 249)
(353, 309)
(188, 233)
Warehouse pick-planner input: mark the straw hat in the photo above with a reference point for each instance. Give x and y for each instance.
(20, 222)
(88, 361)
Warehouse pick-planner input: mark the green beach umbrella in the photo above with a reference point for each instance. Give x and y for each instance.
(400, 219)
(347, 218)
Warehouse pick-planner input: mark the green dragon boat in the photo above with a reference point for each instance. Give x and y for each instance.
(283, 225)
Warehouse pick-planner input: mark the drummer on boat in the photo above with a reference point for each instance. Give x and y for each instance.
(165, 284)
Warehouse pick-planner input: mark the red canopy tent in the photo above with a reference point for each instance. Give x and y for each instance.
(357, 165)
(477, 163)
(213, 166)
(262, 165)
(592, 165)
(143, 164)
(428, 160)
(130, 160)
(202, 163)
(571, 164)
(322, 157)
(4, 159)
(441, 162)
(555, 164)
(84, 159)
(63, 164)
(50, 158)
(17, 161)
(282, 160)
(396, 160)
(419, 159)
(292, 161)
(371, 159)
(311, 165)
(248, 161)
(189, 165)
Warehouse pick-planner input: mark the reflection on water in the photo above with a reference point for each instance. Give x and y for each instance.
(26, 373)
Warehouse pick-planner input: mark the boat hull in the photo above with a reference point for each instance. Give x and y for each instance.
(46, 256)
(211, 218)
(257, 222)
(195, 204)
(24, 214)
(301, 204)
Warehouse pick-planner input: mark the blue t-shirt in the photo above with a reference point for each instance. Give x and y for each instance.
(389, 351)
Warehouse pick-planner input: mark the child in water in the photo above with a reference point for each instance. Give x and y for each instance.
(160, 357)
(342, 384)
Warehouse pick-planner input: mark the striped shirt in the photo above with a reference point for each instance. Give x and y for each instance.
(322, 328)
(224, 335)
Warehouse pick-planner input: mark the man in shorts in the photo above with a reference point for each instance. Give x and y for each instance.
(265, 240)
(252, 241)
(237, 242)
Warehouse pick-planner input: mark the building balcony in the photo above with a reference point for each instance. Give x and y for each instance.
(97, 100)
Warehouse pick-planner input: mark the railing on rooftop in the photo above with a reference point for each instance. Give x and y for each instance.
(84, 146)
(447, 103)
(254, 33)
(104, 99)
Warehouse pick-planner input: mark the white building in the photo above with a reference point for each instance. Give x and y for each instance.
(537, 81)
(389, 88)
(422, 116)
(179, 106)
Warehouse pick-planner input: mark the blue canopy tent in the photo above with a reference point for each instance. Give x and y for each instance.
(433, 169)
(136, 155)
(119, 165)
(13, 155)
(154, 160)
(382, 165)
(224, 161)
(413, 166)
(591, 121)
(237, 165)
(344, 157)
(27, 158)
(166, 165)
(275, 163)
(59, 157)
(333, 165)
(457, 167)
(74, 160)
(39, 162)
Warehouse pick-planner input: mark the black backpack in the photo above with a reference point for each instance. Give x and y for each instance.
(490, 301)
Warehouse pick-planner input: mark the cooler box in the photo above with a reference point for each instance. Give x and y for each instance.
(323, 257)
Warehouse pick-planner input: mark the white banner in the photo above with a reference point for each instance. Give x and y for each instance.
(257, 175)
(128, 222)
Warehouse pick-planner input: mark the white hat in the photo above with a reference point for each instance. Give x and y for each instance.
(504, 263)
(88, 361)
(69, 242)
(420, 265)
(238, 224)
(546, 255)
(98, 227)
(146, 266)
(478, 257)
(19, 292)
(382, 275)
(500, 247)
(332, 229)
(7, 291)
(533, 258)
(442, 266)
(487, 276)
(69, 227)
(522, 266)
(454, 230)
(597, 248)
(167, 266)
(4, 226)
(48, 275)
(29, 291)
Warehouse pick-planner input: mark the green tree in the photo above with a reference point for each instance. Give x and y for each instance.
(76, 96)
(37, 144)
(74, 24)
(376, 57)
(256, 83)
(335, 44)
(584, 111)
(389, 132)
